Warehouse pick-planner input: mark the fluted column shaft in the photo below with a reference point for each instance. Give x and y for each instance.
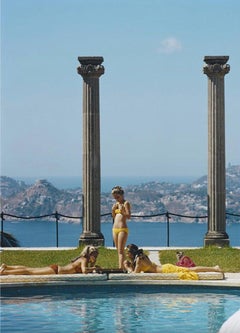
(216, 69)
(91, 69)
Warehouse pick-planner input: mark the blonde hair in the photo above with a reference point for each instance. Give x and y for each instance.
(117, 190)
(88, 251)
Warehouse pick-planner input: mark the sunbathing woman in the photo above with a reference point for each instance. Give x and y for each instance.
(121, 211)
(139, 262)
(80, 264)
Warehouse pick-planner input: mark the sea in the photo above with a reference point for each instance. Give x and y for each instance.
(42, 233)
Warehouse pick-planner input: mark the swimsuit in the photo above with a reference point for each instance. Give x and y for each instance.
(117, 230)
(147, 265)
(55, 268)
(78, 270)
(120, 207)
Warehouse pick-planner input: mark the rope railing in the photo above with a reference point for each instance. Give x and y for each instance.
(58, 215)
(144, 216)
(232, 214)
(26, 217)
(22, 217)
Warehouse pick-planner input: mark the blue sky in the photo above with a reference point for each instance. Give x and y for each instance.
(153, 95)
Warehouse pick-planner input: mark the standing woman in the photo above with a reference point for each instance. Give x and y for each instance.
(121, 211)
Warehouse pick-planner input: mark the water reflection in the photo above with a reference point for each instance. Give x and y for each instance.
(120, 312)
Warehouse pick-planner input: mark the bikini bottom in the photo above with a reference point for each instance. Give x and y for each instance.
(117, 230)
(55, 268)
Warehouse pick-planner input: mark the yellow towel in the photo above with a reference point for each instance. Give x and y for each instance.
(183, 272)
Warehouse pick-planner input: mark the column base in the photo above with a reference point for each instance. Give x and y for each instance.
(216, 238)
(91, 238)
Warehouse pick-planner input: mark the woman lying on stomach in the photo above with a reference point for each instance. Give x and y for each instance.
(139, 262)
(82, 264)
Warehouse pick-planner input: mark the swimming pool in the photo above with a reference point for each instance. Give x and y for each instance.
(117, 308)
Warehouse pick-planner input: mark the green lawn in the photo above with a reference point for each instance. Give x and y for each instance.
(227, 258)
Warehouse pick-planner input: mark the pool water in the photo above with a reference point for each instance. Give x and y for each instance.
(120, 309)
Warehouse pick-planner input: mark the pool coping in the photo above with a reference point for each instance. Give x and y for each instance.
(115, 279)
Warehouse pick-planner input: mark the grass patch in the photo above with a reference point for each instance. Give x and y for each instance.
(107, 258)
(227, 258)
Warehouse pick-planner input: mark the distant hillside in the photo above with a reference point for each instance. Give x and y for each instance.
(41, 198)
(10, 187)
(151, 198)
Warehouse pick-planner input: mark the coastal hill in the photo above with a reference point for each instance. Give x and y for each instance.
(152, 198)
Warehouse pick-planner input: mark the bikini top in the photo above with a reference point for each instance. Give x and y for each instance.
(118, 210)
(78, 269)
(145, 262)
(142, 256)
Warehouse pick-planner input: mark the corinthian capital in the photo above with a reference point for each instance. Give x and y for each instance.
(90, 66)
(216, 65)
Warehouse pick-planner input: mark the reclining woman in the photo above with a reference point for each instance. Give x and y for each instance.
(84, 263)
(139, 262)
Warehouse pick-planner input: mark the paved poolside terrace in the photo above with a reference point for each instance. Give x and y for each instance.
(211, 279)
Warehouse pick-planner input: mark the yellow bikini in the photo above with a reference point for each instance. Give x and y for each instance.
(117, 230)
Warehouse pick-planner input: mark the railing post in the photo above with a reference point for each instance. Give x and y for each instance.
(168, 217)
(2, 219)
(57, 219)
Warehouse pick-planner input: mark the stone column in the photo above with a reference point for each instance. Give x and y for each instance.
(216, 69)
(91, 69)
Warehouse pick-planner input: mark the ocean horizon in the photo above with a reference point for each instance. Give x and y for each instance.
(107, 182)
